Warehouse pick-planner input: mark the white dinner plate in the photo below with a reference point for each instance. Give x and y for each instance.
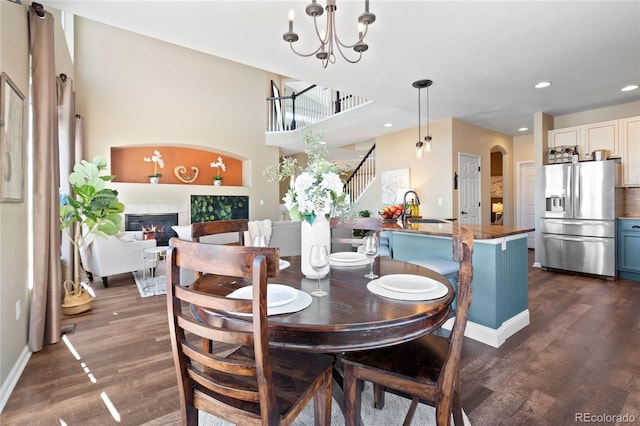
(406, 283)
(277, 294)
(301, 301)
(284, 264)
(440, 291)
(347, 257)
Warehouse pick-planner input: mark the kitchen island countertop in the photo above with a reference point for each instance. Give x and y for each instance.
(448, 229)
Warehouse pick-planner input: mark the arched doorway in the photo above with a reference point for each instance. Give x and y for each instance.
(497, 211)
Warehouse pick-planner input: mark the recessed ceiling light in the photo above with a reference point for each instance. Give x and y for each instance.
(629, 88)
(542, 84)
(388, 125)
(523, 129)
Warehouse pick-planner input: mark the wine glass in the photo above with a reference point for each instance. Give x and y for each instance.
(319, 260)
(371, 248)
(260, 241)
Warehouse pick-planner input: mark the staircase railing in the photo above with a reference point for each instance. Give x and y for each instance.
(307, 107)
(362, 176)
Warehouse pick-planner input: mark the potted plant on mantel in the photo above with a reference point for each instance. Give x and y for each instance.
(95, 211)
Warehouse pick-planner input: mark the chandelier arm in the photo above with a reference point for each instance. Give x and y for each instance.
(351, 61)
(304, 55)
(351, 46)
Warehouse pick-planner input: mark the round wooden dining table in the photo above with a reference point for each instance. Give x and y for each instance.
(350, 317)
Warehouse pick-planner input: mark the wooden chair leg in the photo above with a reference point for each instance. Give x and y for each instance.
(322, 403)
(457, 409)
(351, 396)
(378, 396)
(412, 410)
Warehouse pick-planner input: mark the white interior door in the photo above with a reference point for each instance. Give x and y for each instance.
(469, 192)
(526, 199)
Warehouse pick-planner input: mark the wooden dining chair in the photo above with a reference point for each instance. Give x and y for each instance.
(219, 227)
(252, 384)
(203, 229)
(425, 369)
(342, 230)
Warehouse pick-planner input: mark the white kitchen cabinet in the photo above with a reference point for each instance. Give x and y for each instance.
(630, 147)
(569, 136)
(601, 136)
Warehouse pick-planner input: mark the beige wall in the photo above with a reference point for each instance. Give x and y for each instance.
(134, 90)
(14, 251)
(431, 177)
(522, 148)
(471, 139)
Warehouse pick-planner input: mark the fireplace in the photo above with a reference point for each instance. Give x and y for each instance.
(153, 225)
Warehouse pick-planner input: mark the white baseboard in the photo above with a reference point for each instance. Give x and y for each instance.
(537, 265)
(490, 336)
(14, 375)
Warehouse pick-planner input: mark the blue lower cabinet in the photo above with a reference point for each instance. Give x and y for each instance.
(629, 249)
(500, 281)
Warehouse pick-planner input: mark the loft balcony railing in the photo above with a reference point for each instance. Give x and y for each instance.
(307, 107)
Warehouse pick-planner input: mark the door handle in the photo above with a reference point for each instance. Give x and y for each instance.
(463, 212)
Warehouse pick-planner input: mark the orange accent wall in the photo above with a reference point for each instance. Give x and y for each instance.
(128, 165)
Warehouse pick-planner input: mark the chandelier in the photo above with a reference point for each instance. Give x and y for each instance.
(426, 145)
(329, 36)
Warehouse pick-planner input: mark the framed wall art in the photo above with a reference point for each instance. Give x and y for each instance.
(12, 119)
(391, 181)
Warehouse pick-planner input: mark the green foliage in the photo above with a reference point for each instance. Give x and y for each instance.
(205, 208)
(94, 210)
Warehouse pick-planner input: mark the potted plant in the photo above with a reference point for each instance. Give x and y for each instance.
(157, 161)
(95, 211)
(217, 179)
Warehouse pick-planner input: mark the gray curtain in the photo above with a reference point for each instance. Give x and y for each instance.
(45, 313)
(67, 140)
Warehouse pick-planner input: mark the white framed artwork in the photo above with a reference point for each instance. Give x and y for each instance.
(391, 181)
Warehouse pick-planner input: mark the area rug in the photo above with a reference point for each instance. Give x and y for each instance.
(395, 408)
(152, 287)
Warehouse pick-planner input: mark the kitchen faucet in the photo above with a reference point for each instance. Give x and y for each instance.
(404, 203)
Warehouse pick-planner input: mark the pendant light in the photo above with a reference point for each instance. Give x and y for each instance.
(420, 145)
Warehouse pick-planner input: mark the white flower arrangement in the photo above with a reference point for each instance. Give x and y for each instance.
(157, 161)
(318, 189)
(218, 165)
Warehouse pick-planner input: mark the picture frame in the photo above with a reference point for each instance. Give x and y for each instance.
(391, 182)
(12, 125)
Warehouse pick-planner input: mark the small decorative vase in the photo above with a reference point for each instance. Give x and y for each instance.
(154, 179)
(217, 182)
(317, 233)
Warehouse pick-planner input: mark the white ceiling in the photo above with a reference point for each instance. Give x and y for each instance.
(483, 57)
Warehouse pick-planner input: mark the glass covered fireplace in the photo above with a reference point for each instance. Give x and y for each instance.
(153, 225)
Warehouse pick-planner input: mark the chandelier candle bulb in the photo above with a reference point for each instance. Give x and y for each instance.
(291, 16)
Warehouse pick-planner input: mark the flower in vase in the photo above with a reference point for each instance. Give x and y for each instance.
(157, 161)
(218, 165)
(317, 189)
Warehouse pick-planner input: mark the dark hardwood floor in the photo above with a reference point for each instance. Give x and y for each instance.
(580, 354)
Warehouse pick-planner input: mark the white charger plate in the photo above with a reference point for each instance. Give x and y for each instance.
(347, 257)
(407, 283)
(440, 291)
(301, 301)
(284, 264)
(277, 294)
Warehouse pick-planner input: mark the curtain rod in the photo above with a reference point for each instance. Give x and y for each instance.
(38, 8)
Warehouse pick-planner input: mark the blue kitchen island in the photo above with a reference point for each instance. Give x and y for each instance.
(499, 307)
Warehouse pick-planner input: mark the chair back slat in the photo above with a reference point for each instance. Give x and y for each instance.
(202, 229)
(364, 223)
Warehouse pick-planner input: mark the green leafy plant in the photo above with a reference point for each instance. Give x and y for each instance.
(95, 210)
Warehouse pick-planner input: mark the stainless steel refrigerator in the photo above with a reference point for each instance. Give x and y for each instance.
(582, 202)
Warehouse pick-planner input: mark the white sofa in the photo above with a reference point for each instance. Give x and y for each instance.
(114, 255)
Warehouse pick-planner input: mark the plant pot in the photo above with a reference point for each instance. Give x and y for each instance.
(217, 182)
(154, 179)
(74, 304)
